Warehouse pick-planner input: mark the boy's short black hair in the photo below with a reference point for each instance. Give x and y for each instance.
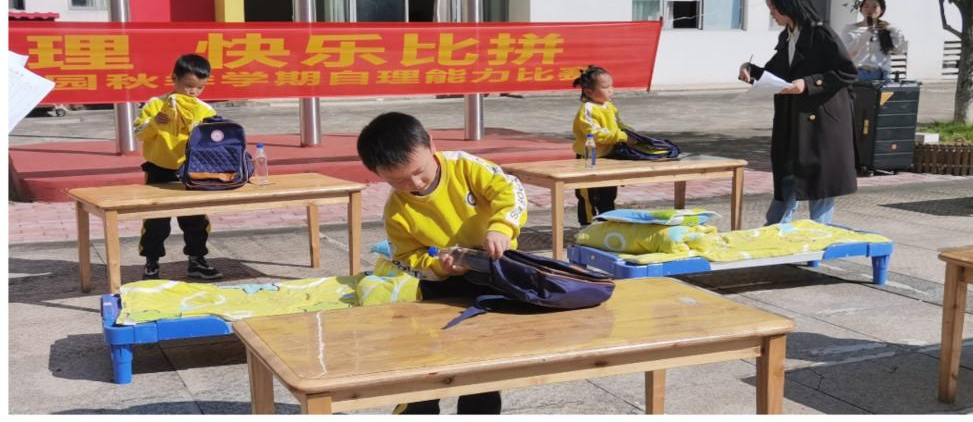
(192, 63)
(390, 139)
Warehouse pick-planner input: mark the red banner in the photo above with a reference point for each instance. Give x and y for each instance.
(132, 62)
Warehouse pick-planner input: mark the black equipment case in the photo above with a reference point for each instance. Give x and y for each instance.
(885, 125)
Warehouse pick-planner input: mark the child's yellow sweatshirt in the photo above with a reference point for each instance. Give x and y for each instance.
(603, 121)
(472, 197)
(165, 145)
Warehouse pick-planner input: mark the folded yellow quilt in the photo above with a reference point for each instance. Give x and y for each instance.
(634, 238)
(152, 300)
(765, 242)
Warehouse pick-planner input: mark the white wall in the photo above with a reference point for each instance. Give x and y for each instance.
(570, 10)
(694, 57)
(63, 7)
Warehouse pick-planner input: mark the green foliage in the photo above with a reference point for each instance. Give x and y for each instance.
(950, 131)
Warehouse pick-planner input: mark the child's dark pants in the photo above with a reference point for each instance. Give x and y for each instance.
(195, 228)
(473, 404)
(594, 201)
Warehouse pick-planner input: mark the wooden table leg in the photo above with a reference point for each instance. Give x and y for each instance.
(736, 200)
(113, 252)
(679, 195)
(954, 308)
(354, 233)
(315, 404)
(314, 235)
(261, 386)
(655, 392)
(557, 221)
(770, 375)
(84, 247)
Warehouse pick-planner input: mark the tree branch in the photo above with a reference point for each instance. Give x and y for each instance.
(946, 26)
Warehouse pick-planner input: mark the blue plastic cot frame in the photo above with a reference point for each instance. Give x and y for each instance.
(122, 338)
(619, 268)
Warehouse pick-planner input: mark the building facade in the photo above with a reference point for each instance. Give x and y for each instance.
(703, 43)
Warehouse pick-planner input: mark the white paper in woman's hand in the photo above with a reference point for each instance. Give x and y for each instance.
(767, 86)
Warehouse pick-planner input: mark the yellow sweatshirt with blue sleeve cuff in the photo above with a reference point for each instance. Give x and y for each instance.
(473, 196)
(165, 145)
(604, 122)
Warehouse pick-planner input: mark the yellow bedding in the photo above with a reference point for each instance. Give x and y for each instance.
(765, 242)
(151, 300)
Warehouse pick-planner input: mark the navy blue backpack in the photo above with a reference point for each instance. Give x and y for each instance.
(522, 280)
(216, 156)
(646, 148)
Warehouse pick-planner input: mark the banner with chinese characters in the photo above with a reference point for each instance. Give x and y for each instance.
(113, 62)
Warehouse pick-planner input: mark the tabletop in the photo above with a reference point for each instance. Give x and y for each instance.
(567, 169)
(360, 346)
(962, 255)
(282, 186)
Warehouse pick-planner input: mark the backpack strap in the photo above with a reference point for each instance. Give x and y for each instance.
(480, 306)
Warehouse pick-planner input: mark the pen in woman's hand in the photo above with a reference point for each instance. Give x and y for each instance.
(745, 71)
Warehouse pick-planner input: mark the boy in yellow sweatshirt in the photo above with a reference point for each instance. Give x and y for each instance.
(441, 199)
(163, 127)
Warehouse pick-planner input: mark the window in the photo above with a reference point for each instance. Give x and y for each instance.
(683, 14)
(15, 4)
(696, 14)
(646, 10)
(89, 4)
(496, 10)
(723, 14)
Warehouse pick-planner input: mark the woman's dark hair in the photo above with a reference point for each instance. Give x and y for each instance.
(881, 4)
(588, 79)
(192, 63)
(884, 36)
(390, 139)
(800, 11)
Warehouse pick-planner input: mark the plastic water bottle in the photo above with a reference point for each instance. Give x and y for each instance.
(473, 259)
(590, 153)
(261, 169)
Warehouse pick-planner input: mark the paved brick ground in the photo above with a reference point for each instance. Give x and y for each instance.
(43, 222)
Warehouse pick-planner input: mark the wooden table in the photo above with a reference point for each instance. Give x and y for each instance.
(130, 202)
(381, 355)
(959, 273)
(571, 174)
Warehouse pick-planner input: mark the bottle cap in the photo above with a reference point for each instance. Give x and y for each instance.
(433, 251)
(260, 144)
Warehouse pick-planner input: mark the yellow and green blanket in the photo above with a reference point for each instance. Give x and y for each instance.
(152, 300)
(652, 243)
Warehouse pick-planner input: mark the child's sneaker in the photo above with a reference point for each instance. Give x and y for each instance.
(199, 268)
(151, 269)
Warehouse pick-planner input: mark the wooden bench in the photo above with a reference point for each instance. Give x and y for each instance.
(372, 356)
(959, 273)
(571, 174)
(136, 202)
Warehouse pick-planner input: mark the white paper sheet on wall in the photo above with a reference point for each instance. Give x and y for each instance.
(767, 86)
(25, 89)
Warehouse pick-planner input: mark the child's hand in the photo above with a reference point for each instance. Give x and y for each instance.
(161, 119)
(632, 142)
(447, 262)
(495, 244)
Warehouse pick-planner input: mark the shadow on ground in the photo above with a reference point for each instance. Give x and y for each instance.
(184, 408)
